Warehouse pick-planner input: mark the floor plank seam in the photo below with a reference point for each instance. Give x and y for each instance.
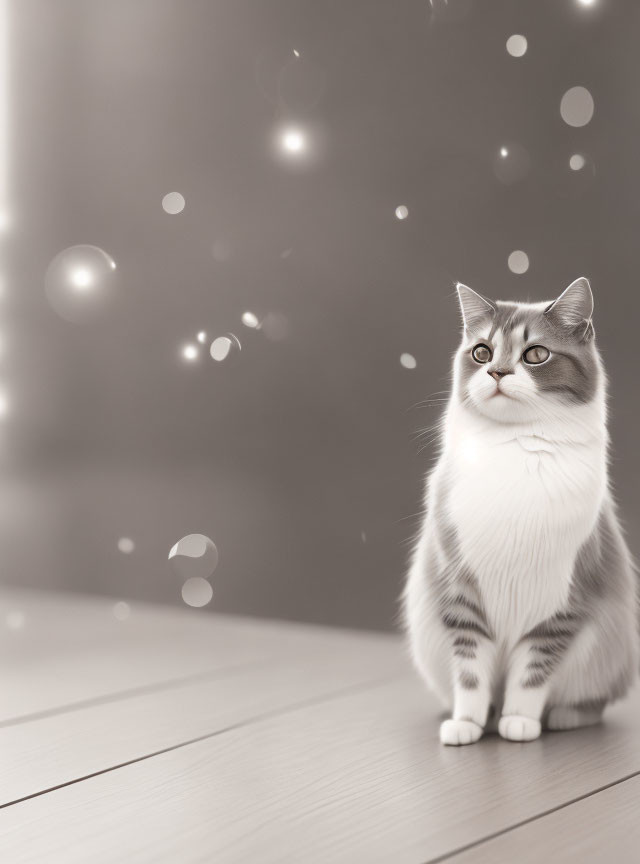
(268, 715)
(538, 816)
(121, 695)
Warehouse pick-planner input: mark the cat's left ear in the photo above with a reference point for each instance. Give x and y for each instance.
(474, 307)
(574, 307)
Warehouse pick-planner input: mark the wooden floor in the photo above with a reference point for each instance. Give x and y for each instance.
(179, 736)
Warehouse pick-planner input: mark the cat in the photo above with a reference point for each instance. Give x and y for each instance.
(521, 601)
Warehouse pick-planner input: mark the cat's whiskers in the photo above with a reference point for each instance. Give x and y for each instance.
(427, 431)
(437, 398)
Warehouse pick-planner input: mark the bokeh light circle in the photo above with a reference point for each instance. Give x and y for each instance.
(194, 555)
(173, 203)
(577, 106)
(408, 361)
(577, 162)
(249, 319)
(126, 545)
(80, 283)
(518, 261)
(511, 163)
(293, 141)
(297, 146)
(517, 45)
(220, 348)
(224, 346)
(189, 352)
(402, 211)
(197, 592)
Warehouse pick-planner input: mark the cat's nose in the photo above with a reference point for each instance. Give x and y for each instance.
(499, 373)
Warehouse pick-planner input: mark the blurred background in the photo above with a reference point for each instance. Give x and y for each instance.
(311, 177)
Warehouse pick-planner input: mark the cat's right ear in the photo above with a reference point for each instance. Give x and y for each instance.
(474, 307)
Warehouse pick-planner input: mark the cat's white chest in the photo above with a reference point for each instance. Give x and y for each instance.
(522, 509)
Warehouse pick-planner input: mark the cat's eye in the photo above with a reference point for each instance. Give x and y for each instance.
(536, 354)
(481, 353)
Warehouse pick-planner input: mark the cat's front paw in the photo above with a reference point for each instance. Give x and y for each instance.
(457, 732)
(515, 727)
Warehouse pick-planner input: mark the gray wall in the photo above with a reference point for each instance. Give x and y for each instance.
(285, 456)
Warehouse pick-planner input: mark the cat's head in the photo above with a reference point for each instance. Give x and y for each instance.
(520, 362)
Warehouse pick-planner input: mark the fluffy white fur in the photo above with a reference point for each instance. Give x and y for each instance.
(526, 480)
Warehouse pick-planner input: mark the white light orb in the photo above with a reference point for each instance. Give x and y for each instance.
(194, 555)
(408, 361)
(80, 283)
(293, 141)
(577, 106)
(402, 212)
(577, 162)
(518, 261)
(4, 404)
(586, 2)
(173, 203)
(220, 348)
(224, 346)
(126, 545)
(190, 352)
(250, 320)
(121, 611)
(296, 53)
(81, 277)
(511, 163)
(201, 337)
(517, 45)
(197, 592)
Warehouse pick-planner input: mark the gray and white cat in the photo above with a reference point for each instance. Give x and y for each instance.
(522, 599)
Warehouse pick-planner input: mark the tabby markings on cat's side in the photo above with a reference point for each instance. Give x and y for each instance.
(521, 599)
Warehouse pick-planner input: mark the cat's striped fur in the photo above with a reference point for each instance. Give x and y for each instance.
(522, 600)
